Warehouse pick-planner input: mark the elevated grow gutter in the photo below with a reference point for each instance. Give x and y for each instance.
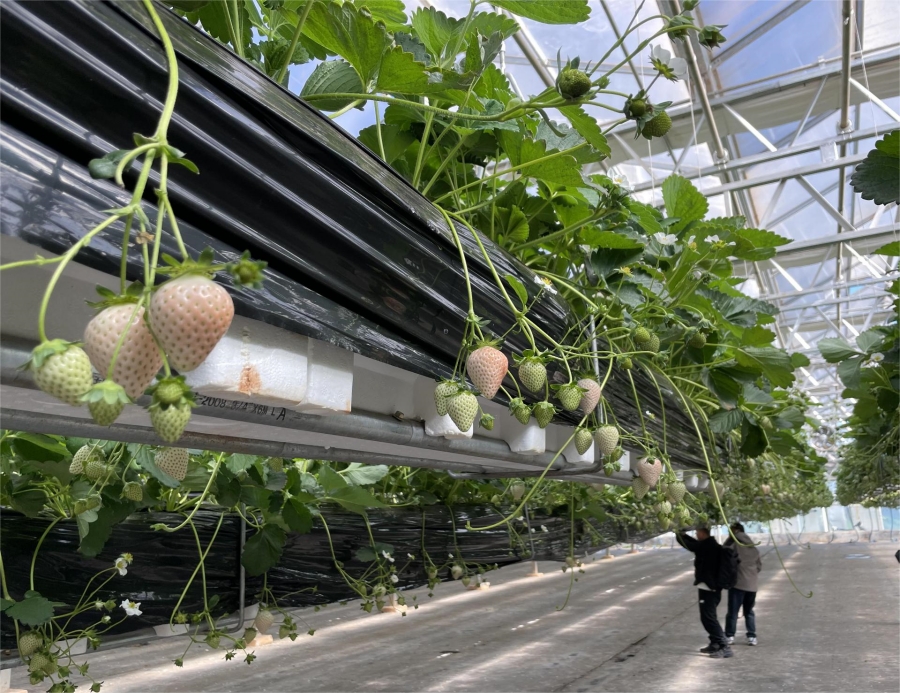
(359, 263)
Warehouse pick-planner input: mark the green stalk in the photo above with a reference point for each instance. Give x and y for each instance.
(294, 40)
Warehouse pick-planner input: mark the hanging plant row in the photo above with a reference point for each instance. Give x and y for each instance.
(652, 291)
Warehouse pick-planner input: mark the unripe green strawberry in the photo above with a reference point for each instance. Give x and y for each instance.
(95, 469)
(442, 394)
(456, 571)
(169, 392)
(657, 126)
(533, 375)
(517, 490)
(212, 639)
(766, 423)
(675, 492)
(29, 643)
(462, 409)
(543, 413)
(62, 370)
(263, 621)
(607, 438)
(82, 457)
(486, 422)
(133, 491)
(640, 487)
(583, 440)
(169, 421)
(664, 520)
(626, 362)
(635, 108)
(92, 501)
(39, 663)
(654, 344)
(697, 340)
(573, 83)
(104, 413)
(80, 506)
(276, 464)
(569, 396)
(173, 461)
(664, 507)
(522, 413)
(641, 336)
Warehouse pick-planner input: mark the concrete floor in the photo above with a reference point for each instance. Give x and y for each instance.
(631, 625)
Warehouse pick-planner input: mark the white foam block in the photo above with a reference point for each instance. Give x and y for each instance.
(525, 439)
(255, 362)
(329, 374)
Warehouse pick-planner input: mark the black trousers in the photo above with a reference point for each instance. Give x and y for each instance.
(708, 617)
(737, 600)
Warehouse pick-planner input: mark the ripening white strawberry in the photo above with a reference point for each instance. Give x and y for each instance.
(263, 621)
(189, 315)
(173, 461)
(487, 367)
(517, 490)
(649, 471)
(607, 438)
(61, 369)
(583, 440)
(30, 642)
(590, 398)
(138, 359)
(640, 487)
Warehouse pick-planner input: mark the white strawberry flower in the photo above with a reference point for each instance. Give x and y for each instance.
(99, 605)
(395, 579)
(131, 608)
(387, 556)
(450, 554)
(105, 619)
(531, 529)
(672, 68)
(665, 238)
(121, 565)
(877, 357)
(712, 239)
(545, 284)
(544, 528)
(410, 557)
(620, 179)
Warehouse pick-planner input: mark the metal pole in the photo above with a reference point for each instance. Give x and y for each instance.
(844, 126)
(534, 566)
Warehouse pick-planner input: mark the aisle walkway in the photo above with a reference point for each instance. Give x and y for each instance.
(631, 624)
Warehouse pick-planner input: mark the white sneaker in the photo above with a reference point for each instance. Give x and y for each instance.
(752, 641)
(731, 640)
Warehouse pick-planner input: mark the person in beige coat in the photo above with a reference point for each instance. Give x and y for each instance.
(743, 594)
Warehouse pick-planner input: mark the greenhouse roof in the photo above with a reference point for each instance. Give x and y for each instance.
(775, 90)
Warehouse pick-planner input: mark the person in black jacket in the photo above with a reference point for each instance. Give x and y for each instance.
(707, 555)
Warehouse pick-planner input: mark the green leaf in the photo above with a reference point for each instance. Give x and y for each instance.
(869, 340)
(367, 554)
(723, 386)
(725, 420)
(563, 170)
(587, 127)
(34, 610)
(774, 363)
(436, 30)
(100, 530)
(757, 336)
(389, 12)
(518, 287)
(357, 474)
(753, 439)
(347, 32)
(255, 496)
(611, 240)
(238, 463)
(229, 494)
(834, 349)
(394, 140)
(263, 550)
(28, 500)
(355, 499)
(105, 167)
(217, 20)
(547, 11)
(144, 459)
(332, 77)
(877, 177)
(755, 244)
(41, 448)
(605, 261)
(645, 216)
(799, 360)
(330, 480)
(888, 400)
(683, 201)
(400, 73)
(850, 372)
(891, 249)
(297, 516)
(187, 163)
(790, 417)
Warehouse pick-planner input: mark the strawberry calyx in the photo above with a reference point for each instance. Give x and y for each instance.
(530, 355)
(107, 391)
(45, 350)
(170, 391)
(108, 298)
(247, 272)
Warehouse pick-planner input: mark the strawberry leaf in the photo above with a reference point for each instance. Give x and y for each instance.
(105, 167)
(263, 550)
(34, 610)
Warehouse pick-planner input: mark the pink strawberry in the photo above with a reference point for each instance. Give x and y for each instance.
(189, 315)
(591, 395)
(138, 359)
(487, 367)
(649, 471)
